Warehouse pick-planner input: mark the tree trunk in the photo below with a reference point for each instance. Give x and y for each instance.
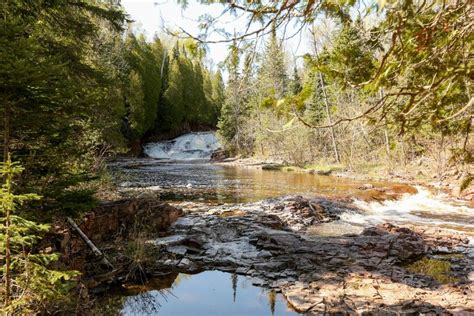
(6, 132)
(6, 206)
(89, 242)
(326, 105)
(328, 113)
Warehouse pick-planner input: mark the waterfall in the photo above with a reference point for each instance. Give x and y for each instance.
(192, 146)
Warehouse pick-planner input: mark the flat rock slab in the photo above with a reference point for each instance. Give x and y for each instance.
(359, 273)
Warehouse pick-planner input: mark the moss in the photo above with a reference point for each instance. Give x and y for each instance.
(324, 167)
(439, 270)
(453, 256)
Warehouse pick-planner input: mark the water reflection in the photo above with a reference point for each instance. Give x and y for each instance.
(206, 293)
(216, 184)
(227, 184)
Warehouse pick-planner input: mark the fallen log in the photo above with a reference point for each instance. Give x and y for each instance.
(97, 252)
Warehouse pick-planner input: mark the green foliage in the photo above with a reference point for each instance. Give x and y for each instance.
(58, 86)
(74, 91)
(351, 59)
(272, 75)
(217, 96)
(143, 88)
(439, 270)
(174, 102)
(295, 84)
(427, 68)
(192, 95)
(34, 284)
(466, 182)
(236, 108)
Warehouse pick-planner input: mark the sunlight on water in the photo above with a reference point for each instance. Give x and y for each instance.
(210, 183)
(422, 208)
(181, 175)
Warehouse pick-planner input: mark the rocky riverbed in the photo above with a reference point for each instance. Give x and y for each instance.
(343, 246)
(372, 271)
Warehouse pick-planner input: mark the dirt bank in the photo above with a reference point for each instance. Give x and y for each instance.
(111, 227)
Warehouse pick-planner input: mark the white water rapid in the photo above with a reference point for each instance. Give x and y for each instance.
(424, 208)
(192, 146)
(420, 208)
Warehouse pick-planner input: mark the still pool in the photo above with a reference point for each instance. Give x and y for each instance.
(207, 293)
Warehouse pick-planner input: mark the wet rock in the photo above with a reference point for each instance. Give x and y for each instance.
(169, 240)
(272, 166)
(323, 172)
(188, 266)
(358, 273)
(219, 155)
(392, 192)
(178, 250)
(271, 221)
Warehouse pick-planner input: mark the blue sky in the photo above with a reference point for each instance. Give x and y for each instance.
(151, 15)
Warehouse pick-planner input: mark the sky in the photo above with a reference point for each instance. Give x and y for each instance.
(151, 16)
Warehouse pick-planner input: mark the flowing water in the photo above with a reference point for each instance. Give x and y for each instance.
(185, 147)
(181, 171)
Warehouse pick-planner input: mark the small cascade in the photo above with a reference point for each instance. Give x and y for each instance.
(421, 208)
(192, 146)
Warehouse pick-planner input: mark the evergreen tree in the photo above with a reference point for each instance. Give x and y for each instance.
(230, 112)
(174, 110)
(58, 94)
(136, 105)
(295, 84)
(351, 60)
(187, 99)
(236, 109)
(210, 107)
(34, 284)
(198, 99)
(272, 76)
(217, 96)
(143, 89)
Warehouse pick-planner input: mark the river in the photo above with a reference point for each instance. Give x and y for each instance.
(180, 172)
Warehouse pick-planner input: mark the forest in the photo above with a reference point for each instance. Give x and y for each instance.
(385, 89)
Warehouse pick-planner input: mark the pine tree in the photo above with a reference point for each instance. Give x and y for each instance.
(210, 107)
(351, 60)
(35, 284)
(295, 84)
(59, 90)
(228, 124)
(272, 76)
(217, 96)
(143, 90)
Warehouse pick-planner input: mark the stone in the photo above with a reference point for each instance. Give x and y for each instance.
(358, 272)
(178, 250)
(323, 172)
(169, 240)
(184, 263)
